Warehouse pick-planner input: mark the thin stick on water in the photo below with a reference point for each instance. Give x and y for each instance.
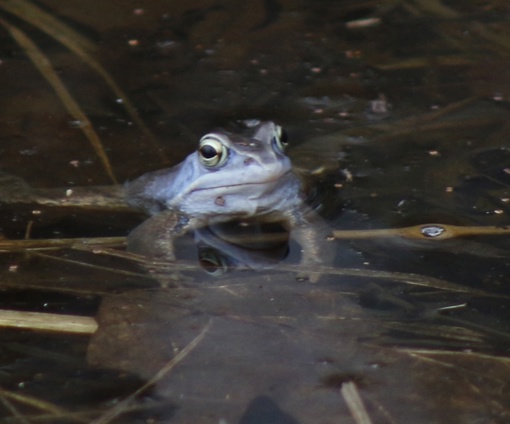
(355, 404)
(424, 232)
(48, 322)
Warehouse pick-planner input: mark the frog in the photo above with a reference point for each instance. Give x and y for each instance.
(240, 174)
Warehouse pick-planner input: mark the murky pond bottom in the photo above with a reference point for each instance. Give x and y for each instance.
(397, 117)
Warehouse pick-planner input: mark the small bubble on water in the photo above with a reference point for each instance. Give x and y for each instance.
(432, 230)
(77, 123)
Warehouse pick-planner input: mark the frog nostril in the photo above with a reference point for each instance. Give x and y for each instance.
(249, 161)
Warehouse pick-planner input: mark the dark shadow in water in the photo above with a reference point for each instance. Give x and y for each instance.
(264, 410)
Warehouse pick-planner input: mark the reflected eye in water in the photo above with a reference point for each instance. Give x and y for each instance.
(213, 262)
(212, 152)
(280, 139)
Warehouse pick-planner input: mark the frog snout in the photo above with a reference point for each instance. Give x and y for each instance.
(260, 161)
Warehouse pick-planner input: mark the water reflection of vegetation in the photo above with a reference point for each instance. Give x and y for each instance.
(80, 46)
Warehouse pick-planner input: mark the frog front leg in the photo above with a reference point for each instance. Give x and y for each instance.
(314, 236)
(154, 239)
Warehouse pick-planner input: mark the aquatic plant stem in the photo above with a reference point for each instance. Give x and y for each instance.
(48, 322)
(44, 65)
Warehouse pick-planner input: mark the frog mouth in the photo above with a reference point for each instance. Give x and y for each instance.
(267, 181)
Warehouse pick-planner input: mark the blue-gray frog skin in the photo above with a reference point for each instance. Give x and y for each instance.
(232, 176)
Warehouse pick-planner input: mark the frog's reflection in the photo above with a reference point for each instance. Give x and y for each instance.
(241, 244)
(222, 247)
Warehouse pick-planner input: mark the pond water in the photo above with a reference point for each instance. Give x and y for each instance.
(397, 114)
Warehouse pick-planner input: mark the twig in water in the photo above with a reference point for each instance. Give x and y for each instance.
(355, 404)
(122, 406)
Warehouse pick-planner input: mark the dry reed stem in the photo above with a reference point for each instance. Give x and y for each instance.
(419, 232)
(80, 46)
(44, 66)
(355, 404)
(48, 322)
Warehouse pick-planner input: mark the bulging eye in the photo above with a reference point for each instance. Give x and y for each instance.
(212, 262)
(280, 138)
(212, 152)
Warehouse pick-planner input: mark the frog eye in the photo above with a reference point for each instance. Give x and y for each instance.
(280, 138)
(212, 262)
(212, 152)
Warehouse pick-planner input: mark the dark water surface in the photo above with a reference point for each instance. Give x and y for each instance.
(397, 114)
